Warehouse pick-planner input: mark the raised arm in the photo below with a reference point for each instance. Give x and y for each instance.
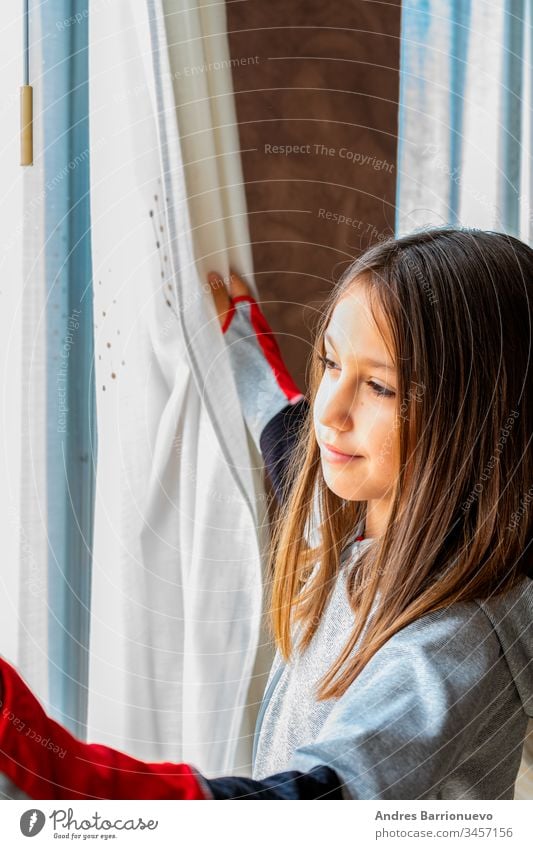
(273, 407)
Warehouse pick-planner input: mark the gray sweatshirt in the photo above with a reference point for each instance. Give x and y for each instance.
(440, 711)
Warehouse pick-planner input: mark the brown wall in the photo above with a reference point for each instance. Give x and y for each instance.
(324, 76)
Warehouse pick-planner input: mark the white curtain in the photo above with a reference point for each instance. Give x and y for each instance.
(177, 652)
(23, 495)
(12, 289)
(464, 153)
(45, 498)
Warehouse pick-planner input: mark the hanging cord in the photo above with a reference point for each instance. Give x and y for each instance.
(26, 97)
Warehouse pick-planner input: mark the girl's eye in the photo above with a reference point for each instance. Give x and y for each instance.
(381, 391)
(325, 361)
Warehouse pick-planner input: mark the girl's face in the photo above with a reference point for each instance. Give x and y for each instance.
(355, 407)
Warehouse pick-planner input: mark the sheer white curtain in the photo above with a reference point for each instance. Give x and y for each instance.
(464, 154)
(29, 501)
(12, 288)
(177, 660)
(23, 357)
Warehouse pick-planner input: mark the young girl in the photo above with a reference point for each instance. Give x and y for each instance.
(401, 599)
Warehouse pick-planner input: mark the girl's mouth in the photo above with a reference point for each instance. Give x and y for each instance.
(334, 456)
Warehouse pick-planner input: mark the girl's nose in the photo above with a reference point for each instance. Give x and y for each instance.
(337, 409)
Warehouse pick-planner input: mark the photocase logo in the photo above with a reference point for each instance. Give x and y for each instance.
(32, 822)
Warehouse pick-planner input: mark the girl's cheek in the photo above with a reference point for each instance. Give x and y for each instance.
(376, 432)
(320, 399)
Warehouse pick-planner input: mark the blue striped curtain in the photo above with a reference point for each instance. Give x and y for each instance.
(463, 157)
(511, 115)
(70, 447)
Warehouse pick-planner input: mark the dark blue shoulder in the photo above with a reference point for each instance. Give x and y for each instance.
(277, 441)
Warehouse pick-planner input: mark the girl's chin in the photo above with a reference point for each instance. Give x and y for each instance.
(344, 490)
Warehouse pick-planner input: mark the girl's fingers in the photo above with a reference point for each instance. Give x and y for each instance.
(238, 286)
(220, 295)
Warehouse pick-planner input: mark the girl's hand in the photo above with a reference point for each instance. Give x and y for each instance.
(221, 296)
(264, 384)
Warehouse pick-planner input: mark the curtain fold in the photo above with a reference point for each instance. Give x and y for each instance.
(464, 151)
(180, 515)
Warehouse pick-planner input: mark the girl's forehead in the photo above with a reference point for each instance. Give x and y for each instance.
(354, 318)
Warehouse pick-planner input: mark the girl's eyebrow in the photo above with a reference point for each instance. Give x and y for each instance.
(367, 360)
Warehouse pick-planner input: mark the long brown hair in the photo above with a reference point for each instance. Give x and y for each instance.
(458, 306)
